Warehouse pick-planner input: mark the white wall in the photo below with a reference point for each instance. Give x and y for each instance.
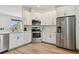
(14, 10)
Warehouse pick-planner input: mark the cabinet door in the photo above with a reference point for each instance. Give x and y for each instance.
(52, 38)
(27, 18)
(20, 38)
(13, 41)
(54, 15)
(70, 10)
(61, 11)
(43, 36)
(47, 37)
(27, 37)
(49, 20)
(43, 21)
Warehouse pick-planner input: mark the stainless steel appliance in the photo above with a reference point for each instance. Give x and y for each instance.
(36, 22)
(36, 31)
(66, 32)
(36, 34)
(4, 42)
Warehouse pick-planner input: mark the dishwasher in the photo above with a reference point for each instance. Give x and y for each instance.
(4, 42)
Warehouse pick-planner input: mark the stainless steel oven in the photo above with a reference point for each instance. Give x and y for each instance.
(36, 34)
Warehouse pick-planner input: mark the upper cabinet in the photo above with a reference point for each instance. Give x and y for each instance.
(49, 18)
(70, 10)
(60, 11)
(27, 19)
(66, 11)
(12, 10)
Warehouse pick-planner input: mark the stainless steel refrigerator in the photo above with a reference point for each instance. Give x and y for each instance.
(66, 32)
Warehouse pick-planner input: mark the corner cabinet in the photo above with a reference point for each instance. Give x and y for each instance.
(27, 19)
(48, 35)
(16, 40)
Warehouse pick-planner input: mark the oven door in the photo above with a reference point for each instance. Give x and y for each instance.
(36, 35)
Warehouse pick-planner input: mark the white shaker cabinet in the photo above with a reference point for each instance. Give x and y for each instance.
(52, 38)
(16, 40)
(45, 36)
(70, 10)
(49, 37)
(27, 37)
(66, 11)
(61, 11)
(20, 38)
(27, 19)
(13, 41)
(49, 18)
(43, 20)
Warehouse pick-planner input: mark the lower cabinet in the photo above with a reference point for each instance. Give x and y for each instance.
(16, 40)
(49, 37)
(27, 37)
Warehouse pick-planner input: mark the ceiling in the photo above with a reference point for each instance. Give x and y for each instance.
(42, 8)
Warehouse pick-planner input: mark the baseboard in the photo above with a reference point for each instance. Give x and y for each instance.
(19, 46)
(48, 43)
